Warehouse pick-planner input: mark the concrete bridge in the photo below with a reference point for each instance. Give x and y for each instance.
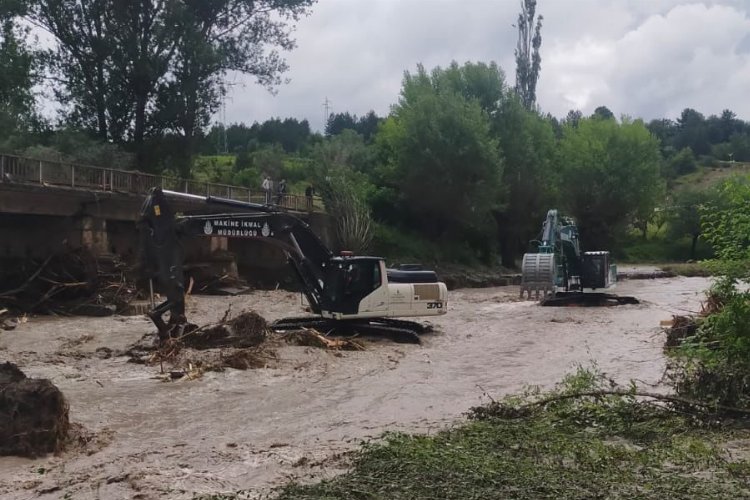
(49, 207)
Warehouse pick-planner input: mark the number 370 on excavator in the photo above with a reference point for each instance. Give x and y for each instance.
(346, 293)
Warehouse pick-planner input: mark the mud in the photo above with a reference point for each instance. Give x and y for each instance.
(253, 429)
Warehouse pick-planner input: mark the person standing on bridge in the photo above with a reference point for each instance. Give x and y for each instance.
(309, 192)
(281, 192)
(267, 186)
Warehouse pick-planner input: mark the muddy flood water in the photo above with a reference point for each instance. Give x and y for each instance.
(255, 429)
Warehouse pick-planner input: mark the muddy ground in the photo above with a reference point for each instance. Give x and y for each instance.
(148, 438)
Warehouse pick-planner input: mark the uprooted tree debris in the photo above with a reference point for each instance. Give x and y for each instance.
(33, 414)
(73, 282)
(242, 342)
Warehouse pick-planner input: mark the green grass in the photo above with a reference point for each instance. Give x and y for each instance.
(659, 249)
(706, 177)
(610, 447)
(688, 269)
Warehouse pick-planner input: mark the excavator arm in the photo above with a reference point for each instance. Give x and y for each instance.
(162, 255)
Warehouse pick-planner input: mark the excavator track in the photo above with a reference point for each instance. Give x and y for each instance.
(405, 332)
(588, 299)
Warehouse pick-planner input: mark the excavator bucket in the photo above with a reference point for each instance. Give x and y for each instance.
(538, 274)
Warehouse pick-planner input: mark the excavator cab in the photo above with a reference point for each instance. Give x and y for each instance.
(348, 281)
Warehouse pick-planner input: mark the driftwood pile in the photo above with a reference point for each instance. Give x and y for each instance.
(73, 282)
(681, 328)
(313, 338)
(236, 342)
(33, 414)
(243, 342)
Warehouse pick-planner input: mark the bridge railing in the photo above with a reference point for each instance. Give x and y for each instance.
(50, 173)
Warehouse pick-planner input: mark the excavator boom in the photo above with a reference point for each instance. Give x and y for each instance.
(345, 292)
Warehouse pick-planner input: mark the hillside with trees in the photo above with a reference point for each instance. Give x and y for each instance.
(464, 157)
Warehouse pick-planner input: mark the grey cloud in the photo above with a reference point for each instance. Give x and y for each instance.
(638, 57)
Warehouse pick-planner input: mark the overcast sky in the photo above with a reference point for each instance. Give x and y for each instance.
(643, 58)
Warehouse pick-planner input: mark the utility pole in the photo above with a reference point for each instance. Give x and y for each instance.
(326, 111)
(225, 146)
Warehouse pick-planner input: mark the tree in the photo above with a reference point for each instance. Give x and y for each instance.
(685, 215)
(692, 132)
(345, 202)
(527, 142)
(725, 225)
(682, 163)
(603, 113)
(609, 174)
(441, 159)
(342, 155)
(572, 118)
(130, 69)
(528, 60)
(665, 130)
(338, 122)
(18, 72)
(218, 36)
(367, 126)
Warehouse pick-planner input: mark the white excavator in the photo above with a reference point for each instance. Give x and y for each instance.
(346, 293)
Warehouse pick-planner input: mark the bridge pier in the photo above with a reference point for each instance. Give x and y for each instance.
(92, 232)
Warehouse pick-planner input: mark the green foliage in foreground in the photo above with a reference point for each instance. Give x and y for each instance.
(713, 365)
(590, 447)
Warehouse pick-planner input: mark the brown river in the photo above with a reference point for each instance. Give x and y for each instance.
(256, 429)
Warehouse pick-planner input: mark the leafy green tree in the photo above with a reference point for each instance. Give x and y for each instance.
(128, 70)
(269, 160)
(367, 125)
(215, 37)
(345, 152)
(528, 145)
(19, 68)
(338, 122)
(740, 146)
(442, 160)
(604, 113)
(692, 132)
(480, 82)
(682, 163)
(725, 224)
(572, 118)
(609, 174)
(528, 60)
(665, 130)
(685, 215)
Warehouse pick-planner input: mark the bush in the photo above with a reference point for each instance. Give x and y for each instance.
(714, 364)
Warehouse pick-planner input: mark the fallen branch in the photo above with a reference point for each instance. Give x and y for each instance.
(21, 288)
(652, 395)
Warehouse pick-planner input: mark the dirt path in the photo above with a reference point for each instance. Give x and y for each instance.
(252, 429)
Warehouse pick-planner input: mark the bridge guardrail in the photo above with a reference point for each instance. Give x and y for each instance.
(43, 172)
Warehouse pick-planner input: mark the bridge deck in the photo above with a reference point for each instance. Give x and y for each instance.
(66, 179)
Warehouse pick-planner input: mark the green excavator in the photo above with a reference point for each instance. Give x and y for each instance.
(558, 273)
